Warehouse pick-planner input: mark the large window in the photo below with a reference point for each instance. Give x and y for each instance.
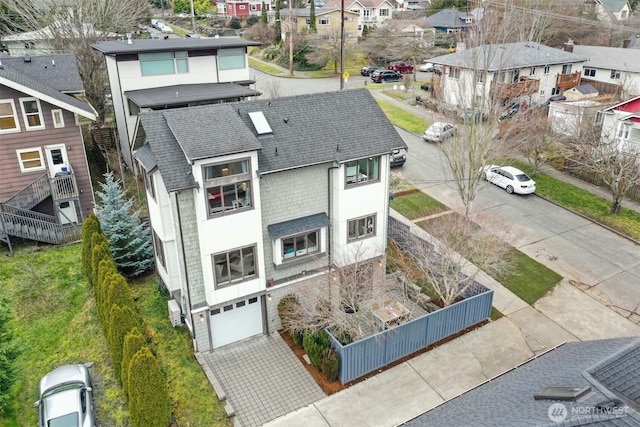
(231, 59)
(8, 117)
(30, 159)
(155, 64)
(300, 245)
(32, 113)
(234, 266)
(363, 170)
(615, 74)
(589, 72)
(361, 228)
(228, 186)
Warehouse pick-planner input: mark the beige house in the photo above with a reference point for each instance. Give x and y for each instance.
(370, 12)
(327, 23)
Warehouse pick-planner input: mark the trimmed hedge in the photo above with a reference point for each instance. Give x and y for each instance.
(133, 342)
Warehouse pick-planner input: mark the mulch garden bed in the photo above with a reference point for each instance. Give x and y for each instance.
(333, 387)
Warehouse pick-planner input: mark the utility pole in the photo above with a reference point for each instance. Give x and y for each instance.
(291, 37)
(193, 17)
(341, 44)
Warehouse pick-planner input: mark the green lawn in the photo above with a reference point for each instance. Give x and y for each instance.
(403, 119)
(417, 205)
(56, 323)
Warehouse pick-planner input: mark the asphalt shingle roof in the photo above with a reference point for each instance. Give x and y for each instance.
(450, 18)
(508, 399)
(55, 76)
(298, 225)
(507, 56)
(170, 44)
(609, 58)
(159, 97)
(307, 130)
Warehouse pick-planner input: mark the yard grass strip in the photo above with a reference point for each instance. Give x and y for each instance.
(401, 118)
(417, 205)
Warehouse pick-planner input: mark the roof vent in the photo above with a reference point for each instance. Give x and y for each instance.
(566, 394)
(27, 59)
(260, 123)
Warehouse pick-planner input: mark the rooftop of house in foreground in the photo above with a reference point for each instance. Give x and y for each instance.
(170, 44)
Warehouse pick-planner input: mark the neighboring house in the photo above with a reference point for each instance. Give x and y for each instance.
(263, 201)
(327, 23)
(415, 28)
(583, 383)
(613, 70)
(454, 21)
(38, 42)
(612, 10)
(572, 118)
(621, 122)
(584, 91)
(45, 188)
(152, 74)
(512, 72)
(370, 12)
(242, 8)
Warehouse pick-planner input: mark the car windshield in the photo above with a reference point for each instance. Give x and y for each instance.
(62, 387)
(523, 177)
(69, 420)
(436, 128)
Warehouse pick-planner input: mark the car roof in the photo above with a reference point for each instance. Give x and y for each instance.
(63, 374)
(512, 170)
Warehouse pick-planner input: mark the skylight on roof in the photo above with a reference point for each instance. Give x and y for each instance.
(260, 123)
(570, 394)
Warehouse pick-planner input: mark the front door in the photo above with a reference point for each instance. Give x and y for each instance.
(58, 165)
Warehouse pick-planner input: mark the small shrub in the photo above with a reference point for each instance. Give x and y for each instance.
(297, 337)
(329, 364)
(314, 343)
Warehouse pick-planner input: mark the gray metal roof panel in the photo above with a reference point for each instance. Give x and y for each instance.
(170, 44)
(145, 156)
(508, 399)
(298, 225)
(188, 93)
(507, 56)
(171, 160)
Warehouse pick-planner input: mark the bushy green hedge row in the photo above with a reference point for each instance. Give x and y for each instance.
(134, 364)
(316, 343)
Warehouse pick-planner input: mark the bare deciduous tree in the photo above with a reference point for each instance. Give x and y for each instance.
(449, 264)
(261, 32)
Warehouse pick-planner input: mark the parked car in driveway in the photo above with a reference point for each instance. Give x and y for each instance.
(65, 398)
(401, 67)
(379, 76)
(398, 158)
(368, 69)
(438, 132)
(427, 67)
(513, 180)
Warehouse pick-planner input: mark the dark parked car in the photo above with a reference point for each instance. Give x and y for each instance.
(398, 157)
(379, 76)
(368, 69)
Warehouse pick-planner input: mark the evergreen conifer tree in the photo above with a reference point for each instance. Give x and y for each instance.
(312, 18)
(8, 353)
(129, 239)
(263, 14)
(133, 342)
(278, 25)
(149, 403)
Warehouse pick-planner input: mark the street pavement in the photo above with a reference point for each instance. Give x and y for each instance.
(598, 298)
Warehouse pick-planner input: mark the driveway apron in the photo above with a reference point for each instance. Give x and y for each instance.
(262, 378)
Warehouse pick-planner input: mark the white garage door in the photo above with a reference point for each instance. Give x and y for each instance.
(236, 321)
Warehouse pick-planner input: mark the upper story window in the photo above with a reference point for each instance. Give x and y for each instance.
(356, 11)
(148, 182)
(234, 266)
(367, 13)
(58, 118)
(228, 186)
(156, 64)
(323, 21)
(361, 228)
(623, 132)
(589, 72)
(30, 159)
(454, 72)
(231, 59)
(480, 76)
(546, 69)
(362, 171)
(300, 245)
(157, 243)
(566, 69)
(384, 12)
(615, 74)
(8, 117)
(32, 113)
(532, 71)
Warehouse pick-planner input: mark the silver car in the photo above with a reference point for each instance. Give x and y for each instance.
(438, 132)
(65, 398)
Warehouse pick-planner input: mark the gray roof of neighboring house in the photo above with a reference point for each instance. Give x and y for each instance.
(609, 58)
(495, 57)
(451, 18)
(613, 5)
(306, 130)
(611, 368)
(170, 44)
(52, 76)
(188, 93)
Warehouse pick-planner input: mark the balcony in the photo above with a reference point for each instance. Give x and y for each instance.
(567, 81)
(513, 90)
